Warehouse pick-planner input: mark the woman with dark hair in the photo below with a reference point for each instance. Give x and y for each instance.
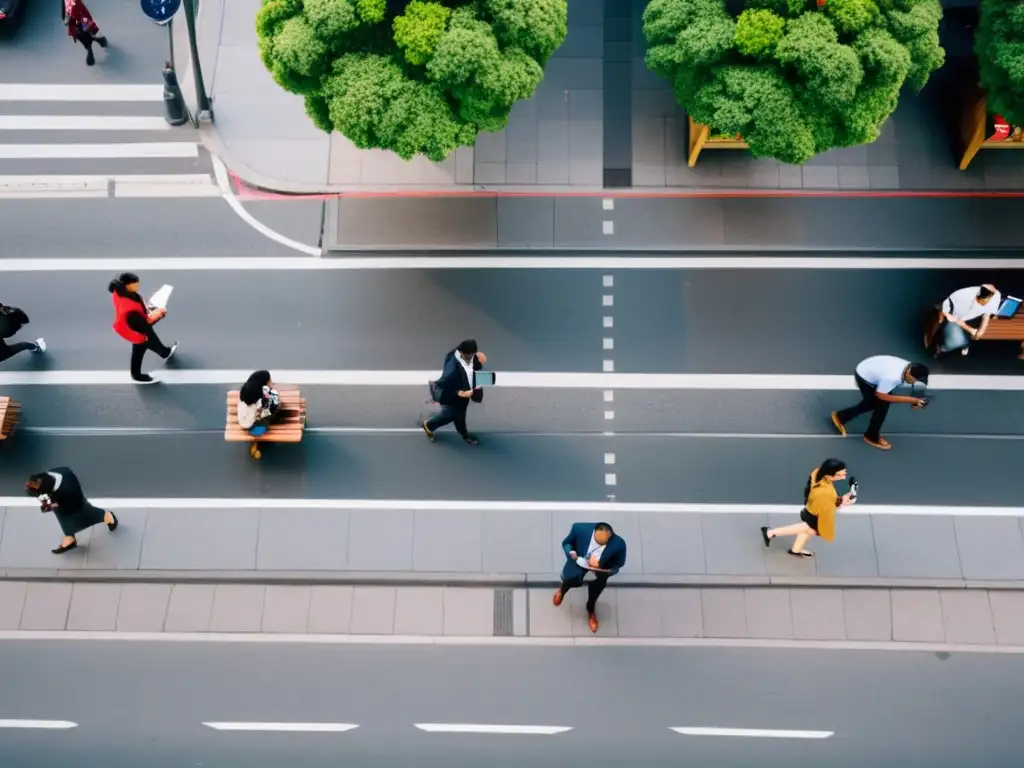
(82, 28)
(134, 321)
(259, 406)
(59, 491)
(818, 517)
(963, 317)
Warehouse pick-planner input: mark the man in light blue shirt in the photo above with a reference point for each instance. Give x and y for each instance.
(877, 378)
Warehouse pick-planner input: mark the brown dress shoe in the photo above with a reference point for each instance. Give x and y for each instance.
(557, 599)
(594, 623)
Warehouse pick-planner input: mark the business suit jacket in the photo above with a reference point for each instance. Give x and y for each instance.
(454, 380)
(612, 559)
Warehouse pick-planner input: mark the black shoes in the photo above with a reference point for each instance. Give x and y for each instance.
(90, 59)
(113, 526)
(62, 549)
(102, 41)
(144, 379)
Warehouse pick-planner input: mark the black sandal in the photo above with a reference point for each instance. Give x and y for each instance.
(112, 526)
(764, 534)
(804, 553)
(62, 549)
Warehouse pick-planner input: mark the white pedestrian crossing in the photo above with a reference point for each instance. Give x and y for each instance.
(60, 141)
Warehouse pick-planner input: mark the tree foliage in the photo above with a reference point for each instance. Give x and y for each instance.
(412, 76)
(999, 44)
(792, 79)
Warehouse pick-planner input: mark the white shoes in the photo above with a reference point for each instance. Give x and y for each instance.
(40, 345)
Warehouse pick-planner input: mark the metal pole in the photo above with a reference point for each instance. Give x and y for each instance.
(170, 39)
(202, 100)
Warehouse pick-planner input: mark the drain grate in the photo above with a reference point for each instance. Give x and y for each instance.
(503, 621)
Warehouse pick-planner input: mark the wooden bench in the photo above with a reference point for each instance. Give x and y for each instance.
(10, 413)
(999, 329)
(700, 137)
(974, 131)
(288, 430)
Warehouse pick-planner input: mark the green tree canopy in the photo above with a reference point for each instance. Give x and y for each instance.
(411, 76)
(792, 79)
(999, 44)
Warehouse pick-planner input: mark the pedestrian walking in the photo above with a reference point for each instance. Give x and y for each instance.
(877, 378)
(13, 320)
(818, 517)
(134, 321)
(593, 553)
(456, 389)
(963, 317)
(59, 491)
(82, 28)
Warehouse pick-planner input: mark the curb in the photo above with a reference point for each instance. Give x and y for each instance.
(493, 580)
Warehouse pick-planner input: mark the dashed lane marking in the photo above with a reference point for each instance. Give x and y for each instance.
(754, 733)
(284, 727)
(519, 730)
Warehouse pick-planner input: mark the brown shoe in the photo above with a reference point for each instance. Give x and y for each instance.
(427, 431)
(594, 623)
(557, 599)
(881, 443)
(840, 428)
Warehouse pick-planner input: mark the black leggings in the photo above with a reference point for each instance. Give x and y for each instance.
(139, 351)
(594, 588)
(7, 351)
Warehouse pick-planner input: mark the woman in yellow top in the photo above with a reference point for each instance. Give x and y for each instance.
(818, 517)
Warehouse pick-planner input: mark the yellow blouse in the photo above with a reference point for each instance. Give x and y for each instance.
(821, 502)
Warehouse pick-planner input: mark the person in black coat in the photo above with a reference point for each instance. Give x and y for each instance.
(13, 320)
(591, 549)
(456, 389)
(59, 491)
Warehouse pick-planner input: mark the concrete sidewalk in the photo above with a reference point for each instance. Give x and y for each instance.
(598, 120)
(510, 548)
(978, 618)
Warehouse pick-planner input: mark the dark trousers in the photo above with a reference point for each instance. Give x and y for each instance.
(450, 414)
(139, 351)
(879, 410)
(279, 415)
(7, 351)
(594, 588)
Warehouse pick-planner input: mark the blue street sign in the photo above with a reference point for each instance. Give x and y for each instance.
(160, 11)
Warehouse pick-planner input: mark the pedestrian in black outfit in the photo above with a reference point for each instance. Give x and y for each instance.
(82, 28)
(12, 320)
(456, 388)
(134, 321)
(877, 379)
(59, 491)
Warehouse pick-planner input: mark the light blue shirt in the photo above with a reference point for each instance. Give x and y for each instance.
(883, 372)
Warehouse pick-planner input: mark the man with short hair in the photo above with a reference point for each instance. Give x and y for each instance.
(456, 389)
(594, 552)
(965, 315)
(877, 378)
(12, 320)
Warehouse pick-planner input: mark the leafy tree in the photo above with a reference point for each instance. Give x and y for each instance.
(792, 79)
(412, 76)
(999, 44)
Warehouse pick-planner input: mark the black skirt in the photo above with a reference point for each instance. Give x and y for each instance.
(811, 520)
(75, 522)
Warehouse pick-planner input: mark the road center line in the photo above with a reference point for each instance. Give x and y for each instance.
(754, 733)
(520, 730)
(53, 725)
(284, 727)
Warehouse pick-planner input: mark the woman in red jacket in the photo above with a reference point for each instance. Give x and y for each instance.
(133, 321)
(82, 28)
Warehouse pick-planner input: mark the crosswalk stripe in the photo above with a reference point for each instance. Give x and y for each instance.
(44, 187)
(82, 123)
(172, 149)
(72, 92)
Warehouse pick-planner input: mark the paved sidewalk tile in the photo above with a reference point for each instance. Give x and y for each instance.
(285, 543)
(189, 608)
(419, 611)
(682, 613)
(94, 607)
(469, 612)
(868, 614)
(447, 541)
(818, 614)
(967, 616)
(111, 550)
(519, 543)
(28, 537)
(143, 607)
(46, 606)
(990, 547)
(852, 553)
(199, 539)
(545, 619)
(911, 546)
(330, 610)
(1008, 616)
(12, 603)
(672, 544)
(367, 528)
(237, 608)
(917, 616)
(373, 611)
(640, 612)
(607, 610)
(733, 544)
(769, 613)
(286, 609)
(724, 612)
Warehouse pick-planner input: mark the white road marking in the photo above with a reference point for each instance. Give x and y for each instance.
(82, 123)
(609, 479)
(609, 322)
(607, 301)
(78, 92)
(527, 730)
(609, 459)
(153, 149)
(57, 725)
(284, 727)
(596, 507)
(754, 733)
(609, 415)
(221, 172)
(608, 343)
(608, 204)
(608, 366)
(609, 396)
(608, 227)
(608, 281)
(244, 263)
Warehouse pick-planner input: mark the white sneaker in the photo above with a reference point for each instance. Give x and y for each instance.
(174, 348)
(40, 345)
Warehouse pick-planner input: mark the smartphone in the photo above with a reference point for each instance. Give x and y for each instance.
(485, 378)
(853, 489)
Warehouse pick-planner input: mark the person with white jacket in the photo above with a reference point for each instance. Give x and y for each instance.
(259, 404)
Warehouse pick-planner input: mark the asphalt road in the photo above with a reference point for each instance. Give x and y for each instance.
(144, 704)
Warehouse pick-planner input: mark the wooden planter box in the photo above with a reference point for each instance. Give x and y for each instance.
(699, 138)
(974, 131)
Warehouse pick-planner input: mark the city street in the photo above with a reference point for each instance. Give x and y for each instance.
(136, 703)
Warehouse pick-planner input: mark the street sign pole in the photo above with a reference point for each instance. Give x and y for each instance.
(170, 40)
(202, 100)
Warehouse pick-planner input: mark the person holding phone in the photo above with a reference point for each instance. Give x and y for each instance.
(818, 517)
(456, 389)
(878, 378)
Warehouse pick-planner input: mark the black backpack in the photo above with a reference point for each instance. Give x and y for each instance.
(11, 321)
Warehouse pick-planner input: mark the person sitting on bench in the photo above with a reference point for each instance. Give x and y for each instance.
(259, 404)
(965, 317)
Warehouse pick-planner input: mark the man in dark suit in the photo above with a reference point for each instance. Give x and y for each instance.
(456, 389)
(590, 548)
